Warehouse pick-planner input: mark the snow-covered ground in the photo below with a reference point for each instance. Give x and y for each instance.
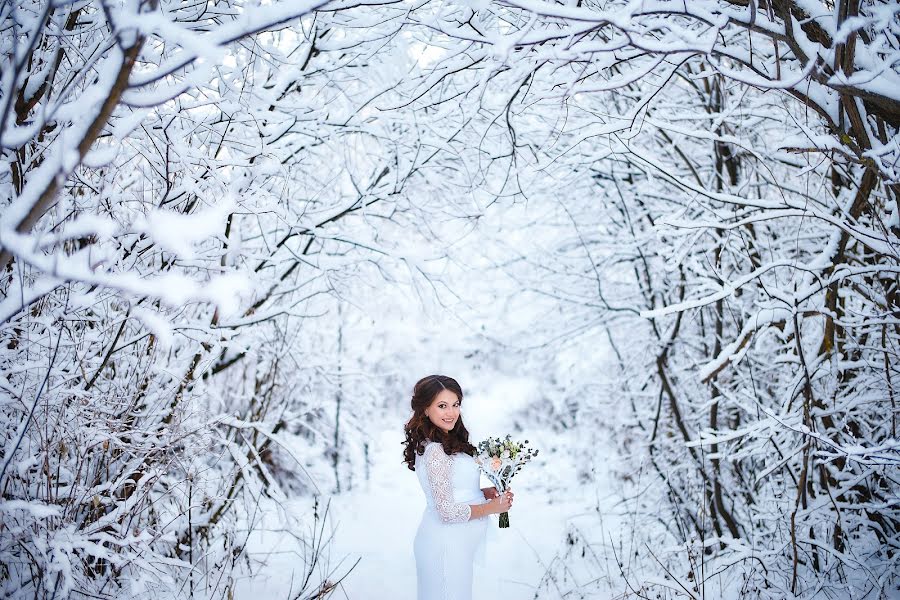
(378, 525)
(375, 523)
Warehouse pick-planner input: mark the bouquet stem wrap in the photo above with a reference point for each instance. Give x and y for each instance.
(504, 520)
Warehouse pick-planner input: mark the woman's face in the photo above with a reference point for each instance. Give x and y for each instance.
(444, 410)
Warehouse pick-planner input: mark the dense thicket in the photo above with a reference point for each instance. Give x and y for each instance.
(725, 175)
(189, 238)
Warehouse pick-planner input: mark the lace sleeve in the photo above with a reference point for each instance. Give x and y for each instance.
(438, 468)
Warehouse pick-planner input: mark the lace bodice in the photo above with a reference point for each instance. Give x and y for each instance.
(450, 483)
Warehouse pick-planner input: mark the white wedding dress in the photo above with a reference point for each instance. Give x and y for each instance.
(447, 541)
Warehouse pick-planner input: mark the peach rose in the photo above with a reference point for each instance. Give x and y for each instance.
(495, 464)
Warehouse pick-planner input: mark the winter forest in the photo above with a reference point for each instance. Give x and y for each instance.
(659, 239)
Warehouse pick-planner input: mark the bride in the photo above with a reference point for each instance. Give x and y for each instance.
(455, 520)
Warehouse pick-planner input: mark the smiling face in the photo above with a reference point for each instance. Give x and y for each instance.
(444, 410)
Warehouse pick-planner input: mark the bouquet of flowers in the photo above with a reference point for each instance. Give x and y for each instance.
(500, 460)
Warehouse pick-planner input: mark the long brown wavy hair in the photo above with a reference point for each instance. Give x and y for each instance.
(420, 428)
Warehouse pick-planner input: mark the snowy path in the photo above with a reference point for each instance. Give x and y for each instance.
(376, 523)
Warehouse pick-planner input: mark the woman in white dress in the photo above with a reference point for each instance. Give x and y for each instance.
(454, 522)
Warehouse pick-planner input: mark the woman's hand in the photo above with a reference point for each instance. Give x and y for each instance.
(490, 492)
(503, 502)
